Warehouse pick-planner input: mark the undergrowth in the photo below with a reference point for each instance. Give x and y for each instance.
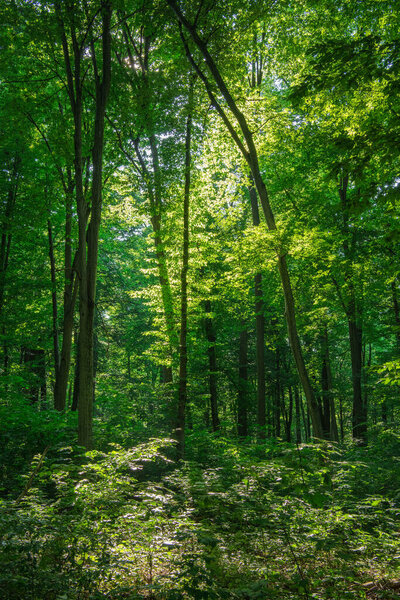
(231, 521)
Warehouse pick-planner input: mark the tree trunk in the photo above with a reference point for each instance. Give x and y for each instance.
(56, 349)
(328, 402)
(297, 415)
(88, 282)
(289, 416)
(277, 399)
(260, 330)
(70, 295)
(353, 313)
(183, 357)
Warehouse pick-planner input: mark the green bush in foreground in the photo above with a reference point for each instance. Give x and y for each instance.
(315, 522)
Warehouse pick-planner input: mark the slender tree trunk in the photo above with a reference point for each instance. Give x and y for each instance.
(153, 181)
(212, 366)
(277, 403)
(359, 410)
(243, 382)
(260, 330)
(306, 421)
(60, 390)
(88, 280)
(56, 350)
(75, 394)
(341, 419)
(249, 152)
(297, 415)
(289, 416)
(353, 313)
(183, 357)
(329, 416)
(70, 295)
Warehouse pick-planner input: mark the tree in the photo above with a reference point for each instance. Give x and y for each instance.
(249, 152)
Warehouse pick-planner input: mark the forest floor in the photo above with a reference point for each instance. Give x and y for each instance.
(277, 521)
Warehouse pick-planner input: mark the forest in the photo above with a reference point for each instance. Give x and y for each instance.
(199, 299)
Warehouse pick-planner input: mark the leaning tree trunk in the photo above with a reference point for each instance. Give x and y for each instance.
(249, 151)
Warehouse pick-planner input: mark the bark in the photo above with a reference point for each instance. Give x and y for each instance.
(70, 295)
(260, 329)
(353, 313)
(60, 390)
(289, 416)
(297, 415)
(56, 350)
(277, 398)
(88, 291)
(328, 401)
(183, 357)
(359, 410)
(249, 151)
(243, 382)
(306, 421)
(75, 394)
(212, 366)
(88, 236)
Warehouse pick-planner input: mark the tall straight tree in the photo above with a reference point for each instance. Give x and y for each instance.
(135, 61)
(245, 143)
(183, 357)
(76, 46)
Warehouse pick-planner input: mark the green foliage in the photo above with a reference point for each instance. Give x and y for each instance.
(308, 521)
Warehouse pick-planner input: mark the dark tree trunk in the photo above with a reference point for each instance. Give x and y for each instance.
(56, 349)
(70, 295)
(328, 402)
(277, 399)
(288, 415)
(297, 415)
(359, 409)
(260, 329)
(75, 394)
(353, 313)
